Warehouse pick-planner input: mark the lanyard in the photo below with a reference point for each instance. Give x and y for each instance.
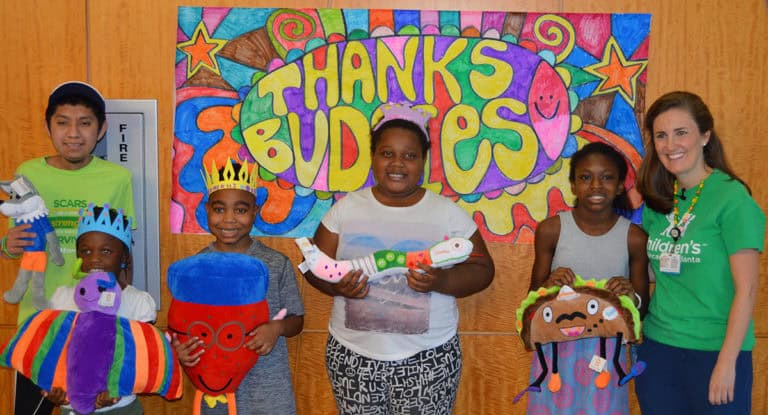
(676, 232)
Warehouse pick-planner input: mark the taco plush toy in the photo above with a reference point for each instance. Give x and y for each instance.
(219, 298)
(560, 314)
(86, 353)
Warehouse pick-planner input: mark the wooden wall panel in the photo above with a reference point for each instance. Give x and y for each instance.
(313, 390)
(760, 385)
(495, 369)
(493, 310)
(126, 49)
(42, 47)
(7, 376)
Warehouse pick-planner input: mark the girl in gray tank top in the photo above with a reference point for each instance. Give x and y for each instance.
(596, 242)
(592, 256)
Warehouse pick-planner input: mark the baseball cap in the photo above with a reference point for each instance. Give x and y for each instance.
(70, 88)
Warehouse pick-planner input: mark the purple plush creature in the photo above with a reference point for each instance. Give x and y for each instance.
(92, 346)
(98, 291)
(89, 352)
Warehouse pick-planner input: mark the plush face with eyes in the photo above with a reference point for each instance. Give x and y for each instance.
(98, 291)
(576, 313)
(218, 297)
(223, 331)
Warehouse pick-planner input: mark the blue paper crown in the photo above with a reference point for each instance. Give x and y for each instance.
(88, 222)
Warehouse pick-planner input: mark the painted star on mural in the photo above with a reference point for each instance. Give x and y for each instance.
(618, 74)
(201, 51)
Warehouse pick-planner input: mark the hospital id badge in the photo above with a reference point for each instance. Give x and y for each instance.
(669, 263)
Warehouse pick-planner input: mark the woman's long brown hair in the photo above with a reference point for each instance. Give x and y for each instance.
(654, 181)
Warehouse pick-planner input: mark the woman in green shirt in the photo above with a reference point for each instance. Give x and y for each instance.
(705, 235)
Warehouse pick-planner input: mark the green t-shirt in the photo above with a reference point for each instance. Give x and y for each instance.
(65, 192)
(690, 309)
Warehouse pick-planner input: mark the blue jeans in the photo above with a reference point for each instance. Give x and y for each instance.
(676, 381)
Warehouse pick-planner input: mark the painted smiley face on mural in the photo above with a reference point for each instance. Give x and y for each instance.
(549, 109)
(546, 106)
(223, 331)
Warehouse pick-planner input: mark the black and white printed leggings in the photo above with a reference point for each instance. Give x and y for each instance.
(423, 384)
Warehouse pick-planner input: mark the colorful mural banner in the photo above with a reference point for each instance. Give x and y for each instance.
(512, 95)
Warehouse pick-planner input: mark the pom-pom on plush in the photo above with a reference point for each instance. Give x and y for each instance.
(219, 298)
(588, 309)
(87, 353)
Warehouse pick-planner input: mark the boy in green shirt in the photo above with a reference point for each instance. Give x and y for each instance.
(67, 181)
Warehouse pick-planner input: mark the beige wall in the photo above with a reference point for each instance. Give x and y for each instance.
(126, 49)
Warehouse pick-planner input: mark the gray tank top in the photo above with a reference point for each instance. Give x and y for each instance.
(599, 257)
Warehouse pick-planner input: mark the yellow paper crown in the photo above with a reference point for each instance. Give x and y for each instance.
(245, 179)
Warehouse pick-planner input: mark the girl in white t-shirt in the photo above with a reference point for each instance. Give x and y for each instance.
(392, 345)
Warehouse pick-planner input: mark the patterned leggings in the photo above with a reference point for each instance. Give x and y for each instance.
(423, 384)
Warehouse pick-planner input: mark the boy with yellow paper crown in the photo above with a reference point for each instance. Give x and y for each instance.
(231, 209)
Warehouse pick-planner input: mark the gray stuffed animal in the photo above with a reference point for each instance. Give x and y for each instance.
(26, 206)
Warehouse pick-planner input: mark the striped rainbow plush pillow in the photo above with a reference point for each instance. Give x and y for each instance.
(136, 357)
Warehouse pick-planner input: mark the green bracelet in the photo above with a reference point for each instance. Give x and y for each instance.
(4, 248)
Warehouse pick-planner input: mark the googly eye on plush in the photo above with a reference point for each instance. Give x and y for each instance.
(593, 306)
(546, 314)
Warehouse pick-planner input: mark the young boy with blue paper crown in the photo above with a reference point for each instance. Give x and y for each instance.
(104, 243)
(231, 209)
(76, 121)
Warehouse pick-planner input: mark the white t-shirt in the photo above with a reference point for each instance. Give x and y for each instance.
(134, 305)
(393, 322)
